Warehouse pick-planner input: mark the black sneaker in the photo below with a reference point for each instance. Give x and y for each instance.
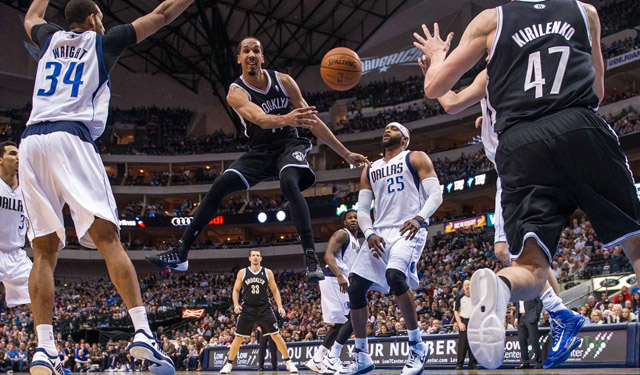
(175, 259)
(313, 272)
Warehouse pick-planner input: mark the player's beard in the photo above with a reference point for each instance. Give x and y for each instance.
(393, 141)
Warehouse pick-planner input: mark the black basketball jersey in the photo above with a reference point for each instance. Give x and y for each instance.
(273, 100)
(254, 287)
(540, 61)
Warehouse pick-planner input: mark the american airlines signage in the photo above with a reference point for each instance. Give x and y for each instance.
(408, 56)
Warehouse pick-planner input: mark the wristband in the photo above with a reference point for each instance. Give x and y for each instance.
(423, 223)
(368, 232)
(371, 234)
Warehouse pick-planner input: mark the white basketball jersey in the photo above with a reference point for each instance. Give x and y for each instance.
(14, 227)
(396, 190)
(489, 137)
(347, 254)
(72, 83)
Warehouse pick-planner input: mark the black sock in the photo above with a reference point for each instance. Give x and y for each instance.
(298, 207)
(345, 332)
(506, 281)
(221, 187)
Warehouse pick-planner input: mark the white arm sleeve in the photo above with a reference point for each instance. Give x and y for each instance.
(431, 185)
(365, 197)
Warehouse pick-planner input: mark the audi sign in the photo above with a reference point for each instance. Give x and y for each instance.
(181, 221)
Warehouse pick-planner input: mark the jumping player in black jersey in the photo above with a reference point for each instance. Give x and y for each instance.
(256, 309)
(545, 77)
(270, 107)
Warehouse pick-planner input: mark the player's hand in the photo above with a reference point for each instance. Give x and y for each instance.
(357, 159)
(344, 284)
(462, 326)
(479, 122)
(376, 245)
(424, 63)
(237, 309)
(282, 312)
(301, 117)
(411, 227)
(433, 47)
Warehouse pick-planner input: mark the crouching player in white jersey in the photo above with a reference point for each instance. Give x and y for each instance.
(61, 165)
(406, 192)
(342, 249)
(565, 323)
(15, 266)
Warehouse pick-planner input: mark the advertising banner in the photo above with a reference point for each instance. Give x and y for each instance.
(625, 58)
(478, 221)
(192, 313)
(597, 347)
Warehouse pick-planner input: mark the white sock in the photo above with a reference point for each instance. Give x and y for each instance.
(320, 353)
(414, 336)
(551, 301)
(506, 288)
(335, 350)
(361, 344)
(139, 318)
(45, 338)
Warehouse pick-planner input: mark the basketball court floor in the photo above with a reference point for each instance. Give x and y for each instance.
(571, 371)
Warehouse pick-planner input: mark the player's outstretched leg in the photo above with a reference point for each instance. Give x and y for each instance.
(361, 359)
(176, 258)
(282, 348)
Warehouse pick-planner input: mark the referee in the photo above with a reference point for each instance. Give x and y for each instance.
(462, 313)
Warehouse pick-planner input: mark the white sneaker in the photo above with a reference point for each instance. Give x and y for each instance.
(361, 364)
(485, 330)
(45, 364)
(291, 367)
(314, 366)
(333, 364)
(418, 356)
(145, 347)
(226, 369)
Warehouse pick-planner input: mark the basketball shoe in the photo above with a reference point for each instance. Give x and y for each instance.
(176, 258)
(145, 347)
(313, 271)
(333, 364)
(45, 364)
(565, 325)
(418, 356)
(489, 298)
(361, 364)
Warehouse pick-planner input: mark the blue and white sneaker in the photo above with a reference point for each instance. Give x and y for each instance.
(362, 364)
(565, 325)
(418, 356)
(145, 347)
(45, 364)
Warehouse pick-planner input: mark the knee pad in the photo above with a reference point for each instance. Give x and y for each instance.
(358, 292)
(397, 281)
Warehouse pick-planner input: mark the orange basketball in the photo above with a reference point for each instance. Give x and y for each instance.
(341, 69)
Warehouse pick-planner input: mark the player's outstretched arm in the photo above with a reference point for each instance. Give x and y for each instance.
(457, 102)
(160, 17)
(238, 99)
(336, 242)
(235, 295)
(35, 15)
(443, 71)
(320, 129)
(596, 51)
(275, 291)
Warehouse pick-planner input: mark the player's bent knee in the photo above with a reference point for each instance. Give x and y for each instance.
(397, 281)
(358, 292)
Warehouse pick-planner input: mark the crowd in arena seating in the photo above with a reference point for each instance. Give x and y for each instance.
(618, 15)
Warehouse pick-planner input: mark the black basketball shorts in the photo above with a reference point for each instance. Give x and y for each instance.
(553, 165)
(262, 315)
(266, 162)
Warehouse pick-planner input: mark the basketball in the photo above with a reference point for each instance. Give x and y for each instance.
(341, 69)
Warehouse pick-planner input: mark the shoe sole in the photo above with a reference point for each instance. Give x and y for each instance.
(311, 365)
(143, 351)
(182, 267)
(40, 368)
(315, 277)
(485, 331)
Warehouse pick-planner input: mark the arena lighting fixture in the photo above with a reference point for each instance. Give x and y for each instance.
(262, 217)
(281, 216)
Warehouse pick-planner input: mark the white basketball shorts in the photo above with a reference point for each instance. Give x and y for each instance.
(335, 304)
(15, 267)
(498, 220)
(59, 163)
(400, 254)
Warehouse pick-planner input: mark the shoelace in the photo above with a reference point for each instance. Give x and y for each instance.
(556, 330)
(312, 260)
(412, 358)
